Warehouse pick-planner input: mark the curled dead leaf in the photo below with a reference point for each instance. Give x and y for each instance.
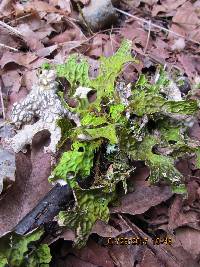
(186, 22)
(142, 199)
(190, 240)
(23, 59)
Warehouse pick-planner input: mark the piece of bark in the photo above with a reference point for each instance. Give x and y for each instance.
(46, 210)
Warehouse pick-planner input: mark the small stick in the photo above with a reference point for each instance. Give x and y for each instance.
(2, 103)
(111, 40)
(45, 211)
(148, 37)
(11, 29)
(22, 17)
(155, 25)
(9, 47)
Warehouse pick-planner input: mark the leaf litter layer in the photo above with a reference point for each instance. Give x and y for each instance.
(116, 135)
(171, 136)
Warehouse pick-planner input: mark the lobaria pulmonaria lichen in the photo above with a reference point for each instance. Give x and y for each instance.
(124, 123)
(41, 110)
(18, 251)
(143, 121)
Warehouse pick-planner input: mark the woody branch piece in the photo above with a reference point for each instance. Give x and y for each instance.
(46, 209)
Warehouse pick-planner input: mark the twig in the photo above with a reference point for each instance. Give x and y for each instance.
(155, 25)
(148, 37)
(111, 40)
(9, 47)
(46, 209)
(22, 17)
(2, 103)
(11, 29)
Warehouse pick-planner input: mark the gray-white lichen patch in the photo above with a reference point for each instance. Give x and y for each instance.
(171, 91)
(39, 111)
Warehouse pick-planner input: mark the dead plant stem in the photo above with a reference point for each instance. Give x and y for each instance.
(11, 29)
(148, 37)
(9, 47)
(2, 104)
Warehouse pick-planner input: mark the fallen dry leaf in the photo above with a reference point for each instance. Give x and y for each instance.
(134, 32)
(41, 6)
(46, 51)
(94, 254)
(96, 49)
(192, 187)
(107, 230)
(23, 59)
(32, 171)
(195, 132)
(160, 50)
(130, 72)
(167, 6)
(29, 78)
(184, 167)
(12, 80)
(62, 4)
(72, 261)
(65, 50)
(67, 36)
(142, 199)
(173, 255)
(188, 64)
(186, 22)
(31, 38)
(102, 44)
(156, 216)
(111, 46)
(179, 218)
(9, 40)
(139, 177)
(6, 7)
(37, 27)
(149, 259)
(178, 44)
(190, 240)
(68, 235)
(125, 255)
(37, 63)
(56, 19)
